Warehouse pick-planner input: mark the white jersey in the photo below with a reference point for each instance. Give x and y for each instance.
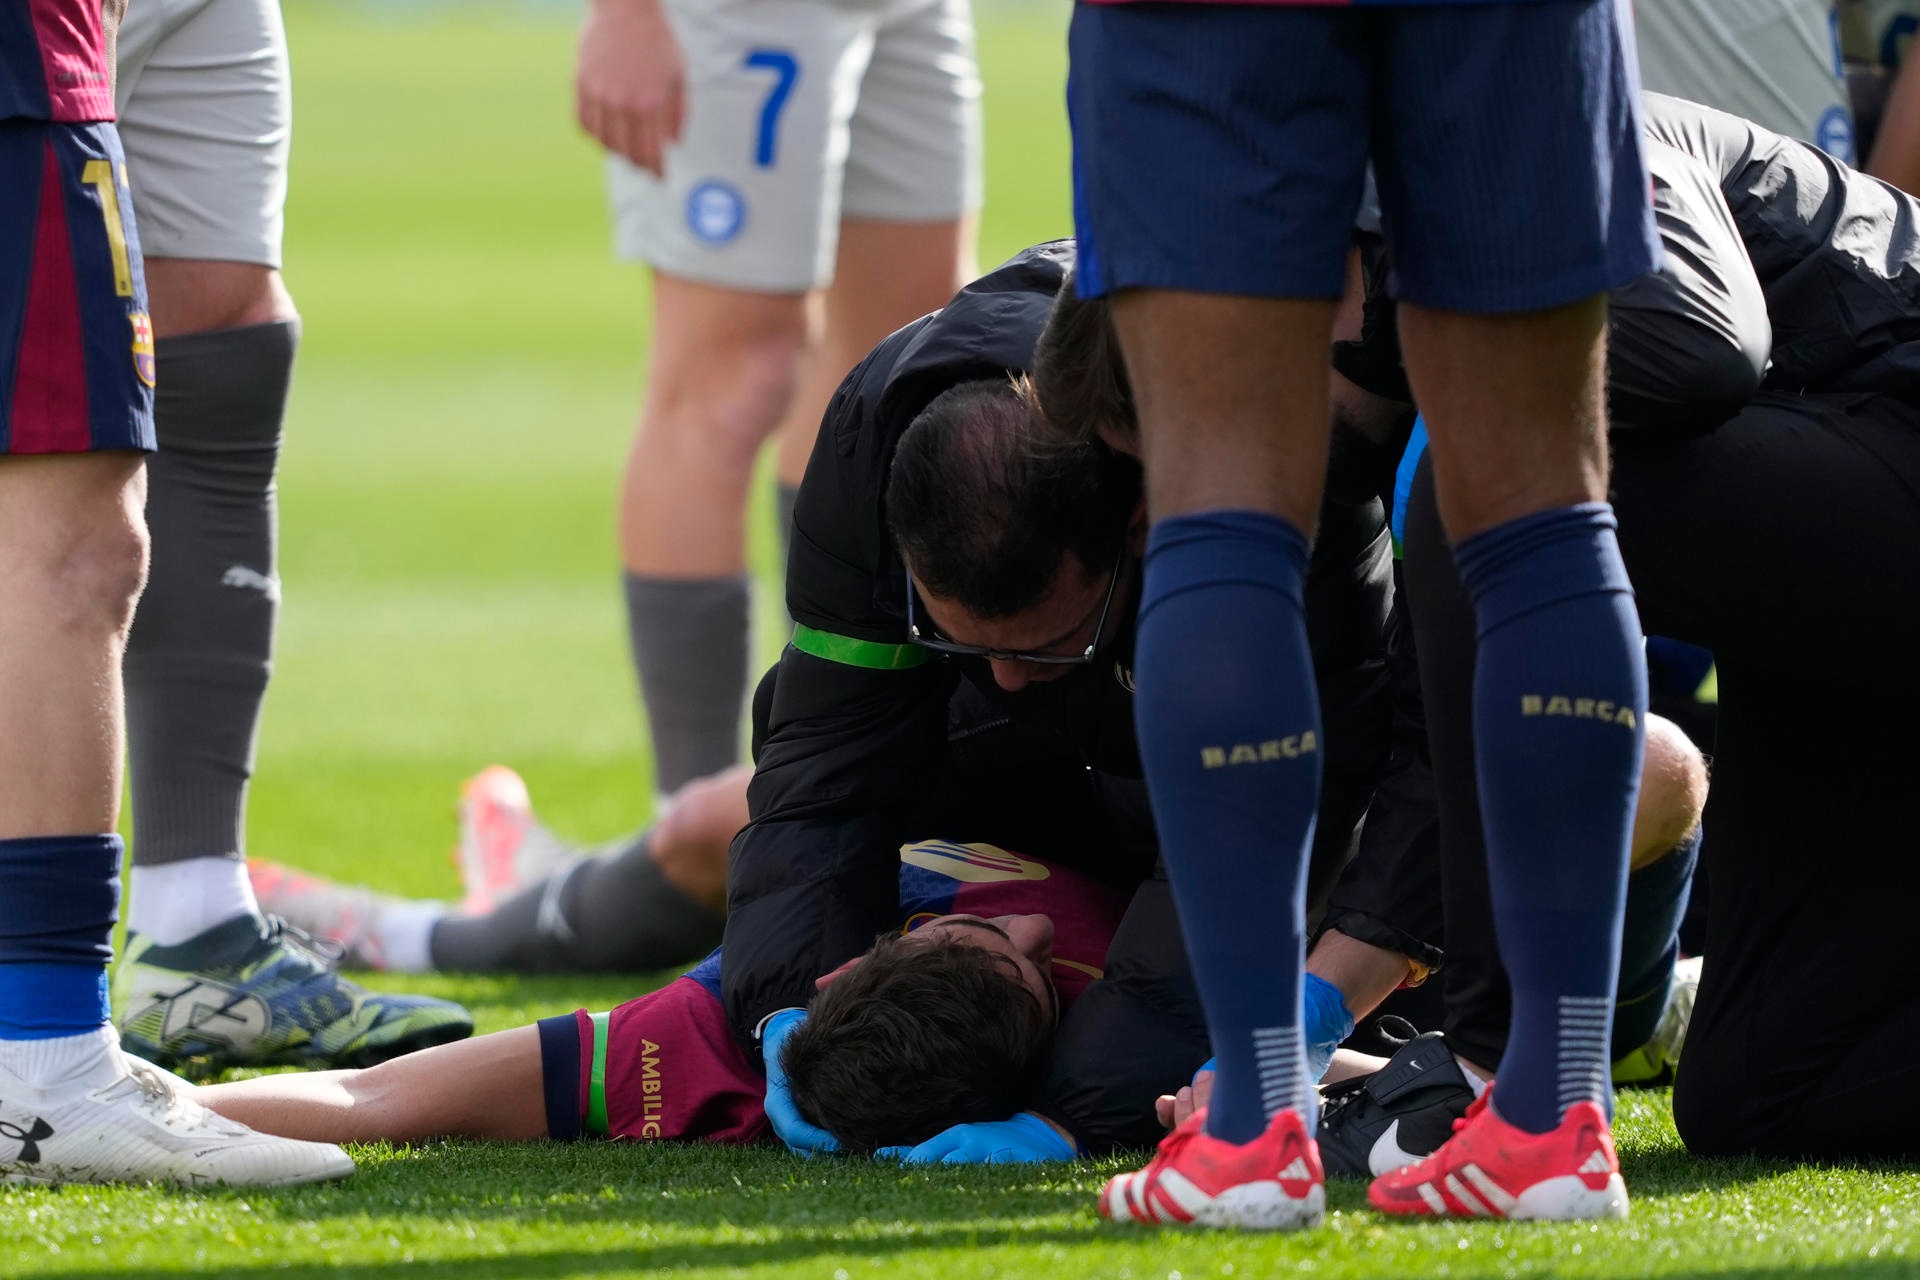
(1775, 62)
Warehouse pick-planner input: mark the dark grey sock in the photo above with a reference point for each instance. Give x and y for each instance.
(690, 638)
(202, 642)
(616, 913)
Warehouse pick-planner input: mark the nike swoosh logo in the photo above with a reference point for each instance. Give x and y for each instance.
(1387, 1153)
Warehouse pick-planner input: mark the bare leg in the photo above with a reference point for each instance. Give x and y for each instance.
(190, 295)
(725, 364)
(1516, 409)
(887, 274)
(490, 1087)
(1673, 792)
(1232, 396)
(73, 554)
(1232, 401)
(723, 373)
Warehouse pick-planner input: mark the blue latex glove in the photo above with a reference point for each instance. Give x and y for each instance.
(1327, 1024)
(1025, 1139)
(802, 1137)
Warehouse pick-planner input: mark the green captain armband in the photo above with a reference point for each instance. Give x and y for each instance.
(597, 1080)
(849, 652)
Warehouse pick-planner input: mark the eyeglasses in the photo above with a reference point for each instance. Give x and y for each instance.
(929, 639)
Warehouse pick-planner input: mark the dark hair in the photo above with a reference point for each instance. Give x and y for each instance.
(1079, 374)
(983, 499)
(920, 1035)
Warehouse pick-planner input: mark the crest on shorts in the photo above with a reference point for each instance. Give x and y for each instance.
(142, 346)
(1834, 135)
(715, 211)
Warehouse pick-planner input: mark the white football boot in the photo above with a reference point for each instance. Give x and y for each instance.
(113, 1118)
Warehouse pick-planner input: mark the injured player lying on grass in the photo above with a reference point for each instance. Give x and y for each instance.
(945, 1023)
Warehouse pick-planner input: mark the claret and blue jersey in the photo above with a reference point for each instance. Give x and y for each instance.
(76, 344)
(53, 62)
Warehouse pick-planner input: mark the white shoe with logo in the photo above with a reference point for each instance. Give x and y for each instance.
(111, 1117)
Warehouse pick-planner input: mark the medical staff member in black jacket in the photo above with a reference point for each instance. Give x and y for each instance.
(853, 740)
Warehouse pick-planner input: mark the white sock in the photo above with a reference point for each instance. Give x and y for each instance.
(405, 931)
(1475, 1081)
(179, 900)
(41, 1063)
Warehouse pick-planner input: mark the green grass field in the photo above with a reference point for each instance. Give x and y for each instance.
(472, 362)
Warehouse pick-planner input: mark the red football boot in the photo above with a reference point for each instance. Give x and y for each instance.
(503, 847)
(1491, 1169)
(1273, 1183)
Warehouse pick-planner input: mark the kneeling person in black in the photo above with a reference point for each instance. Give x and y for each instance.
(1772, 531)
(972, 559)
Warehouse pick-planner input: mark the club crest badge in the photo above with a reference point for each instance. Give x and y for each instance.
(716, 212)
(142, 346)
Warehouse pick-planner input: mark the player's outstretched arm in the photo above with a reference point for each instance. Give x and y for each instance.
(630, 81)
(488, 1087)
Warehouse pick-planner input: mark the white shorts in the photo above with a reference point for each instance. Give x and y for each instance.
(801, 113)
(206, 111)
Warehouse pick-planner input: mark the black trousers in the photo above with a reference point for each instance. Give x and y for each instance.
(1784, 541)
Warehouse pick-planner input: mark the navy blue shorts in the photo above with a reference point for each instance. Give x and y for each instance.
(76, 347)
(1222, 148)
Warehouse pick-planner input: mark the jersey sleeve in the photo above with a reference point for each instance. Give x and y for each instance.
(659, 1068)
(854, 731)
(1836, 251)
(1688, 344)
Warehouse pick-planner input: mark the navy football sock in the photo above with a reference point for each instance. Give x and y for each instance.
(1560, 703)
(1229, 728)
(59, 897)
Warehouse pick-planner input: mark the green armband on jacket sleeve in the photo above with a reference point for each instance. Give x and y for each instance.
(850, 652)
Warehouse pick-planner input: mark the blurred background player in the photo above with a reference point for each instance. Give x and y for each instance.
(206, 112)
(553, 908)
(802, 177)
(1774, 62)
(1250, 127)
(76, 379)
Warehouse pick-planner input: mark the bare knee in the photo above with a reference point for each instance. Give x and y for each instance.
(191, 295)
(77, 539)
(725, 368)
(690, 843)
(1673, 792)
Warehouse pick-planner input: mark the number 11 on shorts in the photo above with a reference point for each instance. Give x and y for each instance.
(98, 174)
(786, 69)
